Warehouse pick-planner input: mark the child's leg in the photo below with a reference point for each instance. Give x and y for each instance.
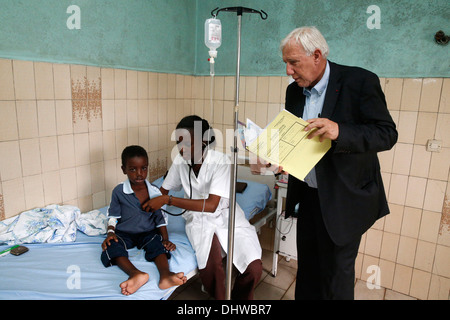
(168, 278)
(117, 254)
(155, 251)
(136, 278)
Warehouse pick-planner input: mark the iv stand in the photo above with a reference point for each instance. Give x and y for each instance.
(234, 149)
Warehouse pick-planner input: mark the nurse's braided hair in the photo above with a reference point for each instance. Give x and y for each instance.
(188, 123)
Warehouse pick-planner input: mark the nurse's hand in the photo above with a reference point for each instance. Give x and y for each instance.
(155, 203)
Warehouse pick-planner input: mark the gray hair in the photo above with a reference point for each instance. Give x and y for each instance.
(309, 38)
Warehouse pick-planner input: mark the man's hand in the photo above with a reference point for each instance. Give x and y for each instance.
(263, 167)
(326, 129)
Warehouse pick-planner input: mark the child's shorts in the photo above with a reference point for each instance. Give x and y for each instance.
(150, 241)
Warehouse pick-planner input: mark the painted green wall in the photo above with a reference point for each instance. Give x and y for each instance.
(152, 35)
(167, 35)
(403, 47)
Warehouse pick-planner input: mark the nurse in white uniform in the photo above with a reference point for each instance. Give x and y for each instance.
(204, 175)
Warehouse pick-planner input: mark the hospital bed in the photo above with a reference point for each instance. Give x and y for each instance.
(73, 270)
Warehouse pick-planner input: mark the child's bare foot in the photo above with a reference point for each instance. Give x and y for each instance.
(133, 283)
(172, 279)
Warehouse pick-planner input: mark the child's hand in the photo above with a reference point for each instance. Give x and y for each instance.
(107, 242)
(169, 245)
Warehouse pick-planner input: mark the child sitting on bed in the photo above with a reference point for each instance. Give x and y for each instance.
(130, 226)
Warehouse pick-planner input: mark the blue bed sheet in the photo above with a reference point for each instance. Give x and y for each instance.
(73, 270)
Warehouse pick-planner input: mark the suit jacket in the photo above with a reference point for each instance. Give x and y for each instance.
(350, 188)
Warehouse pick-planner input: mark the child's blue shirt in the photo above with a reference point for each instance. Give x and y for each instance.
(126, 207)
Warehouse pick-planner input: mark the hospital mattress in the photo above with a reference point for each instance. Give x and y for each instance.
(73, 270)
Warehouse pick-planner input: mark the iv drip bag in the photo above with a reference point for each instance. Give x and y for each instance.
(213, 35)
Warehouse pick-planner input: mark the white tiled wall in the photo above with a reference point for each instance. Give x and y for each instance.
(412, 244)
(63, 127)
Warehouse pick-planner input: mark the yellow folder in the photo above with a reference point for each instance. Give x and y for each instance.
(284, 143)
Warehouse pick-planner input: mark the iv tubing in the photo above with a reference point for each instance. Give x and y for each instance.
(211, 67)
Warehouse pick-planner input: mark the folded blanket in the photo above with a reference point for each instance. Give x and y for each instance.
(51, 224)
(92, 223)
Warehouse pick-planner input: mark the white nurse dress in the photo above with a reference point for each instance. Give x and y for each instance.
(213, 178)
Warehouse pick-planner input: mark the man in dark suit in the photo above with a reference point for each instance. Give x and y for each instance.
(343, 195)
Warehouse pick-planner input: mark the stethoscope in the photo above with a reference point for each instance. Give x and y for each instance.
(190, 184)
(190, 195)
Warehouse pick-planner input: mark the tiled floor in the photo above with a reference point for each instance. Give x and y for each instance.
(281, 287)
